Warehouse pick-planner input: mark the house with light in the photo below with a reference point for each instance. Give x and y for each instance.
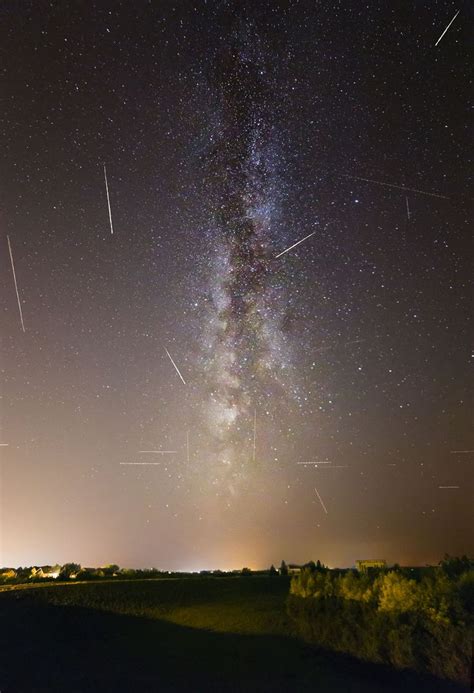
(370, 563)
(45, 571)
(7, 574)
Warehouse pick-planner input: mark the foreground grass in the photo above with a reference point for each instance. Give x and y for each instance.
(227, 605)
(222, 634)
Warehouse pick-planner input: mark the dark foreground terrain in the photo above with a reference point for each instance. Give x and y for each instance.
(210, 634)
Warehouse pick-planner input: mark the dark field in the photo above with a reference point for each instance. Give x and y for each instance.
(221, 634)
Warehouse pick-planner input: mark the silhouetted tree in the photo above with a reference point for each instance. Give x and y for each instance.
(283, 568)
(109, 570)
(453, 567)
(67, 570)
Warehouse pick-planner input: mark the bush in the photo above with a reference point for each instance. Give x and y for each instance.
(424, 624)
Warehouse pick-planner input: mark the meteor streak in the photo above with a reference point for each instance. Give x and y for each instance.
(16, 285)
(452, 20)
(295, 244)
(254, 433)
(448, 486)
(177, 369)
(320, 500)
(140, 463)
(334, 466)
(108, 200)
(399, 187)
(158, 452)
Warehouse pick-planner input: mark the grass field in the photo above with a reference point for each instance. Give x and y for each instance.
(203, 634)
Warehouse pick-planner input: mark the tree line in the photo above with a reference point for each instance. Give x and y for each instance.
(421, 619)
(74, 571)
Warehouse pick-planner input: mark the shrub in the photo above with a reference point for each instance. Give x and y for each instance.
(424, 623)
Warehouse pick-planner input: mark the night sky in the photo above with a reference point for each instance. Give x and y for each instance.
(230, 131)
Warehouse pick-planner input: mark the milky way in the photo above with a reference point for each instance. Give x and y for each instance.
(247, 354)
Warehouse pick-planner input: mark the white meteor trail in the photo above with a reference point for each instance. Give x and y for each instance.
(177, 369)
(3, 445)
(461, 452)
(254, 434)
(16, 285)
(295, 244)
(321, 500)
(399, 187)
(108, 200)
(448, 486)
(408, 209)
(452, 20)
(157, 452)
(317, 462)
(334, 466)
(140, 463)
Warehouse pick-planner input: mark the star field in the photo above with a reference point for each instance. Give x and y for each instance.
(229, 132)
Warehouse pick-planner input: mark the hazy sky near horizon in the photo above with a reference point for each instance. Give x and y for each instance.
(229, 132)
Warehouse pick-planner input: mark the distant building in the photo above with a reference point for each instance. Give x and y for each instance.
(7, 574)
(364, 566)
(45, 571)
